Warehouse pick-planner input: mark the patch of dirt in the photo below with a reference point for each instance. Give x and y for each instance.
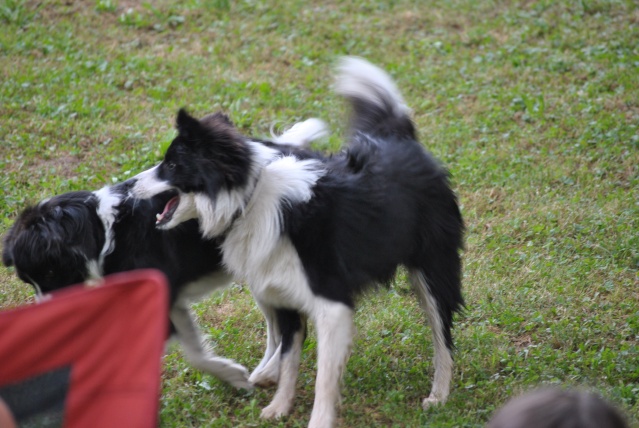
(64, 164)
(523, 341)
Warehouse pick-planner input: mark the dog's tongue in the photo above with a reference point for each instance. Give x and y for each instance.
(169, 208)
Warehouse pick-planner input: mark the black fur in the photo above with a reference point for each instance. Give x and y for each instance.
(290, 322)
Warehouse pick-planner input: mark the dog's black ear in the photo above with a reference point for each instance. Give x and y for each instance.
(186, 124)
(225, 118)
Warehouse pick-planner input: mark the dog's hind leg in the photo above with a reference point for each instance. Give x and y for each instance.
(293, 328)
(335, 332)
(439, 314)
(199, 353)
(267, 372)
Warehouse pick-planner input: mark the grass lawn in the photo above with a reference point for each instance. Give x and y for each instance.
(532, 105)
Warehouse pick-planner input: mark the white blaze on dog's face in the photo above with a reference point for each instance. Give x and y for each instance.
(148, 184)
(177, 210)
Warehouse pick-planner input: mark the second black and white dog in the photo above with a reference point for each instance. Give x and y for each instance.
(309, 234)
(79, 236)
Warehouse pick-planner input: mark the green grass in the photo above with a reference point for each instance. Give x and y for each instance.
(532, 105)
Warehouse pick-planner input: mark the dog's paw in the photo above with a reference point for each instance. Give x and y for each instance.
(264, 378)
(319, 423)
(226, 370)
(323, 417)
(432, 401)
(275, 410)
(236, 375)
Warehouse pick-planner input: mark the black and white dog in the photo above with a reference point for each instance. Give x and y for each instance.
(80, 236)
(308, 235)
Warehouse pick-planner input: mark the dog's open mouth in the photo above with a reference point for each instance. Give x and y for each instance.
(169, 210)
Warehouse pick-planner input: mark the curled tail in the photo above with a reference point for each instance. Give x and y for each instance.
(302, 134)
(378, 106)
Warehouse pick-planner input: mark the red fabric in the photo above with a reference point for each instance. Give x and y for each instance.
(111, 335)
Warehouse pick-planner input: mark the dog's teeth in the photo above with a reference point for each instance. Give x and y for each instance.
(158, 217)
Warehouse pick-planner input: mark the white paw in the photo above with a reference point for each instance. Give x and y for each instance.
(264, 378)
(275, 410)
(236, 375)
(322, 420)
(226, 370)
(432, 401)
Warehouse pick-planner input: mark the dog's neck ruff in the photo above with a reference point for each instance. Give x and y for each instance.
(256, 234)
(217, 217)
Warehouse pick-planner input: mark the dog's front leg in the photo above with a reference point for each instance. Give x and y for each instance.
(199, 352)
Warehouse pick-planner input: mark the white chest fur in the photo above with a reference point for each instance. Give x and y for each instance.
(256, 251)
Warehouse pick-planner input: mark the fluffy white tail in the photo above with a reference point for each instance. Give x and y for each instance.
(359, 80)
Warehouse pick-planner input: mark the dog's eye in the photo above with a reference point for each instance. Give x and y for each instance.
(171, 165)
